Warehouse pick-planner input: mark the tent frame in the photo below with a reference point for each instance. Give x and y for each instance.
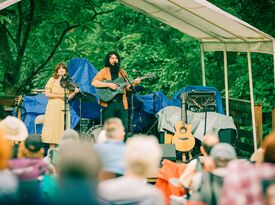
(200, 20)
(250, 85)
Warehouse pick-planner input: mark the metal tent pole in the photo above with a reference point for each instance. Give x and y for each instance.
(226, 82)
(274, 66)
(202, 66)
(252, 100)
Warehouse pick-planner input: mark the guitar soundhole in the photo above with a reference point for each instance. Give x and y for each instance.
(183, 130)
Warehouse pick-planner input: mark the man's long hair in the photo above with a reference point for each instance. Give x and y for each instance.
(107, 57)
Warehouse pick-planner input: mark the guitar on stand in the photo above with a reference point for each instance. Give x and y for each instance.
(107, 94)
(183, 138)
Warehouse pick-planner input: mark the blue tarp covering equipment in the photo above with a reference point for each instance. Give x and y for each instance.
(82, 72)
(32, 106)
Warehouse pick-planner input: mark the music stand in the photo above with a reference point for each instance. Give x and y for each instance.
(84, 97)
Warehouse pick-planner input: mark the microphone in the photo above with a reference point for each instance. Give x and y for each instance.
(64, 76)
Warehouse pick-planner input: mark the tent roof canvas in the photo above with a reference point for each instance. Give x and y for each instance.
(6, 3)
(216, 29)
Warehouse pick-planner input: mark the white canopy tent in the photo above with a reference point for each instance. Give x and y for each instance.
(215, 29)
(6, 3)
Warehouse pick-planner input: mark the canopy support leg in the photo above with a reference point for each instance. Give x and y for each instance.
(252, 100)
(226, 82)
(203, 66)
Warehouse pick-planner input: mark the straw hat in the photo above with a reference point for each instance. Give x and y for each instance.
(14, 128)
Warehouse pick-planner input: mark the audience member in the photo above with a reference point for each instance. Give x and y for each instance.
(208, 142)
(142, 158)
(15, 131)
(29, 164)
(207, 186)
(69, 136)
(112, 150)
(8, 182)
(244, 183)
(78, 172)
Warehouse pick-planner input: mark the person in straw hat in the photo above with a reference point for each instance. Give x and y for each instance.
(15, 131)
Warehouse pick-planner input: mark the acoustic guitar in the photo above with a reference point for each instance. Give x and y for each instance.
(183, 138)
(107, 94)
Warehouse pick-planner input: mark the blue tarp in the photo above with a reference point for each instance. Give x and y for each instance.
(82, 72)
(154, 102)
(146, 106)
(33, 106)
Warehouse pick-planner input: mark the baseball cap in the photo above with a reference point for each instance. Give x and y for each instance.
(33, 143)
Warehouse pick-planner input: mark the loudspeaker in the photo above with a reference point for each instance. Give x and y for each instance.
(169, 152)
(227, 135)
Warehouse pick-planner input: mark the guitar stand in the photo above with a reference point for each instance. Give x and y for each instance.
(184, 156)
(152, 127)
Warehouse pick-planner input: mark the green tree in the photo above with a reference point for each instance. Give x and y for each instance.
(32, 32)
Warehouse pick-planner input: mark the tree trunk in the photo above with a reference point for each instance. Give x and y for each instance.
(9, 70)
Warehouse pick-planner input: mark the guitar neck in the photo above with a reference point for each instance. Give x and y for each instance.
(141, 78)
(183, 111)
(144, 77)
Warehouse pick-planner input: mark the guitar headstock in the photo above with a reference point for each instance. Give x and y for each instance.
(149, 75)
(182, 97)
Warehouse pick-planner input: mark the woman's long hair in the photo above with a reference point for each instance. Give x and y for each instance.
(59, 65)
(107, 57)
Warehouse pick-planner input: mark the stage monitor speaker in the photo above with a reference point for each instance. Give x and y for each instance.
(228, 135)
(169, 152)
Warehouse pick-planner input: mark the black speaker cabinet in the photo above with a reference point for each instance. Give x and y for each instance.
(169, 152)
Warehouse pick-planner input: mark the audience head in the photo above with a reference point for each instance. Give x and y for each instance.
(208, 142)
(32, 147)
(269, 148)
(142, 155)
(5, 151)
(79, 161)
(114, 129)
(222, 153)
(69, 136)
(14, 129)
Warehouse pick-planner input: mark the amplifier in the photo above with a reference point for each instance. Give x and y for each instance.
(201, 101)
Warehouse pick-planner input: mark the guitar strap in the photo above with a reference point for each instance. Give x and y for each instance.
(123, 74)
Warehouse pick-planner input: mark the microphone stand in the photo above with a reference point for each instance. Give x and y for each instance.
(132, 100)
(65, 107)
(64, 82)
